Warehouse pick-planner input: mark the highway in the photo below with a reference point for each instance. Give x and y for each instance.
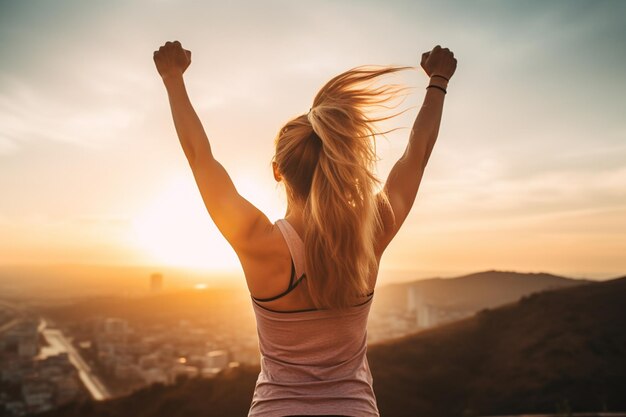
(8, 325)
(59, 343)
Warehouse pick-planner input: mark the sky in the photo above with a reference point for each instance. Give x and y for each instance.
(528, 173)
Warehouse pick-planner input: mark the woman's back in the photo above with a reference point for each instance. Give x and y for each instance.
(312, 361)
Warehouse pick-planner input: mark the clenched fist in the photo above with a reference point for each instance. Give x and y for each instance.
(171, 59)
(439, 61)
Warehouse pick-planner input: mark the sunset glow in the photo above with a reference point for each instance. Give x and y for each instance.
(175, 230)
(525, 175)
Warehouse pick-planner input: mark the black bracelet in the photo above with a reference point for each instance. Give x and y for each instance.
(440, 76)
(437, 87)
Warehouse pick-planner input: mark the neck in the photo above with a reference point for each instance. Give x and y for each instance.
(293, 212)
(295, 218)
(294, 215)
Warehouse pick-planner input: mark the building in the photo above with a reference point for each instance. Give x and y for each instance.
(23, 339)
(111, 341)
(37, 395)
(154, 375)
(156, 282)
(429, 315)
(217, 359)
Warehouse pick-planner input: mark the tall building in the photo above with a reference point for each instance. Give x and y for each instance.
(425, 313)
(426, 316)
(414, 299)
(156, 282)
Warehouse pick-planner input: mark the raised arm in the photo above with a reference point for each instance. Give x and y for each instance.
(405, 177)
(235, 217)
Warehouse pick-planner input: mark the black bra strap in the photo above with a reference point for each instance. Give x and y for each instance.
(289, 288)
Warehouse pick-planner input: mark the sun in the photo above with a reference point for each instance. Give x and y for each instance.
(176, 230)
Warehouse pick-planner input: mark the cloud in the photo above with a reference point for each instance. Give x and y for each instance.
(89, 112)
(27, 114)
(484, 201)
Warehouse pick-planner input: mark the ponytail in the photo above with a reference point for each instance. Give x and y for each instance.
(338, 185)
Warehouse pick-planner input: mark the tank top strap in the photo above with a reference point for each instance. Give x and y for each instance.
(295, 244)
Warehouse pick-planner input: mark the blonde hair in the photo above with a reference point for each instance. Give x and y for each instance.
(327, 159)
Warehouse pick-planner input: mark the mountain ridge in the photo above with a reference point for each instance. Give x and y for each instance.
(474, 291)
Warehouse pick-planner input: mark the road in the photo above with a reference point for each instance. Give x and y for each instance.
(59, 343)
(9, 324)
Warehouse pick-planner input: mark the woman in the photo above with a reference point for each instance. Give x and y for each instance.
(312, 275)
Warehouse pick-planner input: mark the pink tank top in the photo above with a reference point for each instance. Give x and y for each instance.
(312, 361)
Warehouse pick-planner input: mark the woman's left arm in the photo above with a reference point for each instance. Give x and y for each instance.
(237, 219)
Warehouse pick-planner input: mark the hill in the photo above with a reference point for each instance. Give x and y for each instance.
(551, 350)
(557, 350)
(486, 289)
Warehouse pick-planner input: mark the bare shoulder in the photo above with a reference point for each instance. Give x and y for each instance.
(265, 259)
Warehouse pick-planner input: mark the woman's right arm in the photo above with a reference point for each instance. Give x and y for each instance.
(406, 175)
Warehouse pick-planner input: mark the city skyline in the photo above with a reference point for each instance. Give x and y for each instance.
(528, 172)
